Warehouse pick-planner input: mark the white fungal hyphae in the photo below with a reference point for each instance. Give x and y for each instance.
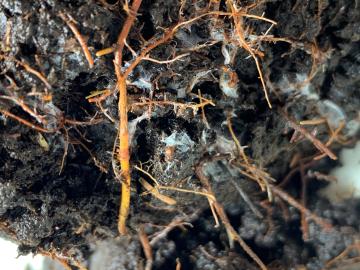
(143, 81)
(223, 145)
(229, 82)
(348, 177)
(180, 140)
(133, 123)
(142, 84)
(198, 77)
(332, 112)
(353, 127)
(229, 52)
(301, 86)
(53, 115)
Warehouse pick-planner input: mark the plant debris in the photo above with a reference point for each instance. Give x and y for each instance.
(178, 134)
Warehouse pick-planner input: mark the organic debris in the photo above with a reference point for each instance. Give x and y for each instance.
(200, 131)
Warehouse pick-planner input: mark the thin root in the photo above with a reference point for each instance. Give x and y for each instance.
(79, 37)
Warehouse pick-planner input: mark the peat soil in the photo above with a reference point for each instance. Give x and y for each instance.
(58, 192)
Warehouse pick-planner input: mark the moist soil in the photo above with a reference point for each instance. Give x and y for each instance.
(58, 191)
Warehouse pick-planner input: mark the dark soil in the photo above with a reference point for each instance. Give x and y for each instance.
(73, 212)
